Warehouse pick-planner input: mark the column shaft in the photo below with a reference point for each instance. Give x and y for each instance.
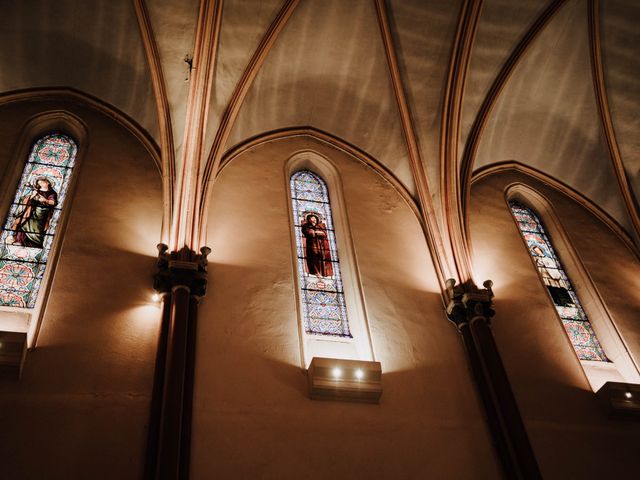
(496, 426)
(506, 401)
(185, 452)
(182, 278)
(158, 387)
(171, 432)
(470, 309)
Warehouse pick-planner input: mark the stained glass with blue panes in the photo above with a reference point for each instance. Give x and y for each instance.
(564, 297)
(29, 228)
(322, 297)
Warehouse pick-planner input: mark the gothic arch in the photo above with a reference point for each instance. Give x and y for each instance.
(36, 128)
(64, 95)
(562, 187)
(621, 366)
(360, 346)
(320, 136)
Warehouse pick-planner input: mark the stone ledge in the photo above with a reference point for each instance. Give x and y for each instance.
(620, 400)
(13, 350)
(348, 380)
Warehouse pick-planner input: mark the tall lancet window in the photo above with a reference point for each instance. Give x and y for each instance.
(574, 319)
(30, 226)
(322, 297)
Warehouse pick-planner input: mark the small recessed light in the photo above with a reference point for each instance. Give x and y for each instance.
(336, 372)
(359, 374)
(628, 394)
(156, 297)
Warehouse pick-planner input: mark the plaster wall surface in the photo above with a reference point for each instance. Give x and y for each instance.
(92, 46)
(571, 436)
(252, 415)
(547, 115)
(81, 407)
(328, 70)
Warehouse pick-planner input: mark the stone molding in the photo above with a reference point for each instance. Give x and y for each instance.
(468, 303)
(182, 268)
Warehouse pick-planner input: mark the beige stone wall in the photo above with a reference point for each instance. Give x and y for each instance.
(82, 405)
(570, 435)
(252, 417)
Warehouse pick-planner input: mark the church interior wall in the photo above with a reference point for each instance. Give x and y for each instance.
(190, 117)
(560, 410)
(252, 415)
(81, 407)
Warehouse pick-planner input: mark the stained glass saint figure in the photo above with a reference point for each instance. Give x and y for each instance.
(33, 215)
(565, 299)
(27, 236)
(316, 246)
(322, 297)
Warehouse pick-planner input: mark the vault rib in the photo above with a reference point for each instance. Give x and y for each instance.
(600, 87)
(233, 107)
(167, 152)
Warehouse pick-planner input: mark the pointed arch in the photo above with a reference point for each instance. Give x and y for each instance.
(36, 201)
(500, 81)
(66, 94)
(579, 306)
(565, 299)
(320, 280)
(562, 187)
(346, 335)
(321, 136)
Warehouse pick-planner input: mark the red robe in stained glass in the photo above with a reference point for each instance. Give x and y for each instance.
(316, 247)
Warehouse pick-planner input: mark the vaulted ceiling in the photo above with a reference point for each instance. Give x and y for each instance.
(527, 72)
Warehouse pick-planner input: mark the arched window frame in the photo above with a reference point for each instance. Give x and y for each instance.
(29, 320)
(359, 346)
(621, 366)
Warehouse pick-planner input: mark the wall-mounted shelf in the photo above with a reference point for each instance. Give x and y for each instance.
(620, 400)
(350, 380)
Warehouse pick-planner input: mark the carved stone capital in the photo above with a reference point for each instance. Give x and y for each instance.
(468, 303)
(184, 268)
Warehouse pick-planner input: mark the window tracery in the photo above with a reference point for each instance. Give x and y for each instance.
(30, 226)
(566, 301)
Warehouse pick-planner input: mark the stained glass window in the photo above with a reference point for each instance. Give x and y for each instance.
(322, 297)
(574, 319)
(28, 231)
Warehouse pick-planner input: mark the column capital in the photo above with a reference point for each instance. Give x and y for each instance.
(468, 303)
(181, 268)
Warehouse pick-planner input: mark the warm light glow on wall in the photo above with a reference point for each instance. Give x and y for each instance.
(143, 319)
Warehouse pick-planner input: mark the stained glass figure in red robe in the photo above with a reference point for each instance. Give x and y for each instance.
(316, 247)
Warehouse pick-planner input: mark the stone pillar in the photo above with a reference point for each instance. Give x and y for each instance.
(182, 280)
(470, 309)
